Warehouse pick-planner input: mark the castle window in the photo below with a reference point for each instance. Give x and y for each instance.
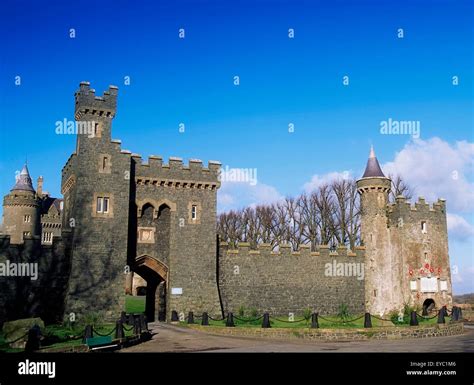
(47, 238)
(375, 293)
(27, 218)
(424, 228)
(194, 216)
(26, 234)
(104, 164)
(102, 205)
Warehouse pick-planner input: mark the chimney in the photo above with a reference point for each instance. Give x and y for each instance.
(39, 189)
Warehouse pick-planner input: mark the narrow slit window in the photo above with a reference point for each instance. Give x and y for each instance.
(100, 202)
(194, 212)
(424, 228)
(106, 205)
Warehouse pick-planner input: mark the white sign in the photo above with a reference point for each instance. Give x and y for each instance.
(177, 290)
(429, 284)
(443, 285)
(413, 285)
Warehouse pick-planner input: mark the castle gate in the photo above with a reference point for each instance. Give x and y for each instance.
(155, 273)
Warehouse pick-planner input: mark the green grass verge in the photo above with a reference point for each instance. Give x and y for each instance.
(135, 304)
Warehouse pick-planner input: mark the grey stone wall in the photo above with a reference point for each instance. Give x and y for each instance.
(284, 282)
(22, 297)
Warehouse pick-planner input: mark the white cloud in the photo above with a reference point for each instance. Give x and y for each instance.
(437, 169)
(319, 180)
(233, 195)
(459, 228)
(463, 281)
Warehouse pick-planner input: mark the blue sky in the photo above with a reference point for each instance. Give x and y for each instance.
(282, 81)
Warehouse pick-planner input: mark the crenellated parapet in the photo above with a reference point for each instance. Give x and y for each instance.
(175, 173)
(285, 250)
(419, 211)
(87, 103)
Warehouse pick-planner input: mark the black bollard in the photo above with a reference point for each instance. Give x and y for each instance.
(205, 319)
(123, 317)
(143, 322)
(445, 311)
(137, 327)
(88, 333)
(413, 319)
(441, 316)
(367, 321)
(314, 321)
(130, 319)
(190, 317)
(266, 321)
(460, 314)
(33, 342)
(174, 316)
(230, 320)
(454, 314)
(119, 332)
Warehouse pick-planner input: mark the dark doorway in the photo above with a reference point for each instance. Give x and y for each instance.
(154, 273)
(428, 305)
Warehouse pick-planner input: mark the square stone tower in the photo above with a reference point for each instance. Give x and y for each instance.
(96, 189)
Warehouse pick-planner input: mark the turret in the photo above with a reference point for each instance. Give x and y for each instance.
(374, 189)
(21, 209)
(94, 115)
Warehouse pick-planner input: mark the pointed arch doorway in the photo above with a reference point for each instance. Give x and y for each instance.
(155, 273)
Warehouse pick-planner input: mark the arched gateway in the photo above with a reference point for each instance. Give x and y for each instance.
(155, 273)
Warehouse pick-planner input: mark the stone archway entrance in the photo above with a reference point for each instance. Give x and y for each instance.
(428, 305)
(155, 273)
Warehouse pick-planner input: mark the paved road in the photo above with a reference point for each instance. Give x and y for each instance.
(170, 338)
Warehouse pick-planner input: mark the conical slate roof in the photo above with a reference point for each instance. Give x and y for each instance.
(23, 181)
(373, 170)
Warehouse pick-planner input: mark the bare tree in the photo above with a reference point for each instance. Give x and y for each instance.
(328, 215)
(399, 187)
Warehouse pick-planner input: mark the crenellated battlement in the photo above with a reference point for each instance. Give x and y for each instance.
(175, 173)
(323, 251)
(87, 103)
(401, 205)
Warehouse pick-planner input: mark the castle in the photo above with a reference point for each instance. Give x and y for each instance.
(132, 226)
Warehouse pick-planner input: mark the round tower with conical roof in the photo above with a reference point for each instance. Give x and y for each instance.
(21, 209)
(374, 189)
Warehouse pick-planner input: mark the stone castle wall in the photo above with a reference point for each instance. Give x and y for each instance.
(22, 297)
(286, 281)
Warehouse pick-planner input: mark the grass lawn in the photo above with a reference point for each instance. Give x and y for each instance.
(135, 304)
(330, 322)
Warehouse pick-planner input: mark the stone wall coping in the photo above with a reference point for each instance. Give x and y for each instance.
(377, 333)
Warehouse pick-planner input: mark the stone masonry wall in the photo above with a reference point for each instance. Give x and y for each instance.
(22, 297)
(287, 281)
